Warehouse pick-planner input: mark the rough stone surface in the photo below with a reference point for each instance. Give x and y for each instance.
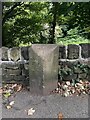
(85, 52)
(0, 54)
(25, 72)
(86, 62)
(11, 78)
(7, 78)
(14, 53)
(62, 52)
(11, 71)
(73, 52)
(9, 65)
(4, 53)
(69, 77)
(43, 68)
(24, 53)
(67, 63)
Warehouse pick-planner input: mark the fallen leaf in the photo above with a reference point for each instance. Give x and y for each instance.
(65, 87)
(8, 107)
(73, 91)
(60, 116)
(6, 95)
(66, 94)
(68, 82)
(18, 88)
(57, 89)
(11, 103)
(31, 111)
(13, 86)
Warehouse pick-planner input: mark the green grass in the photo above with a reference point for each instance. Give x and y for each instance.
(68, 40)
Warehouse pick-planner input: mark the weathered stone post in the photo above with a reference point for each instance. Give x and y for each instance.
(43, 68)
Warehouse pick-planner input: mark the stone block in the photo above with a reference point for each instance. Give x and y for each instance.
(4, 53)
(43, 68)
(14, 54)
(62, 52)
(67, 63)
(11, 78)
(11, 71)
(85, 50)
(7, 78)
(19, 78)
(69, 77)
(86, 62)
(9, 65)
(24, 53)
(73, 51)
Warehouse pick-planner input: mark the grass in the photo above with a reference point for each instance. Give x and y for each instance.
(68, 40)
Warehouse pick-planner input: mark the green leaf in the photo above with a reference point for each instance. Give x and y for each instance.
(6, 95)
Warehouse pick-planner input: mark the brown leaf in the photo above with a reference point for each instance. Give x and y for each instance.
(18, 88)
(60, 116)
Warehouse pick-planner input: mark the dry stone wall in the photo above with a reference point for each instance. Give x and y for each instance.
(14, 63)
(74, 61)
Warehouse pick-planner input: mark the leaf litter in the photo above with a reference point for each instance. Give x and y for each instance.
(70, 88)
(9, 90)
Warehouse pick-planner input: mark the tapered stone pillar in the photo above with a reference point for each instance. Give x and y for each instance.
(43, 68)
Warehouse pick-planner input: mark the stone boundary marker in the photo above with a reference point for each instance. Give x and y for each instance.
(43, 68)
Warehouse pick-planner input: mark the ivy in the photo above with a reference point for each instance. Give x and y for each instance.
(67, 71)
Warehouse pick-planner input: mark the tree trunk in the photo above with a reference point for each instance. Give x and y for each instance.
(53, 24)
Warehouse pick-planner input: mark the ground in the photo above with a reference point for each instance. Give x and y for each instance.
(46, 106)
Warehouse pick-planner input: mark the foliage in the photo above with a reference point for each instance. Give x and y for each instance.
(36, 22)
(70, 71)
(26, 25)
(73, 37)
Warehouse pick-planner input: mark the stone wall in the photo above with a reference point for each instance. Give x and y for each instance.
(14, 63)
(72, 60)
